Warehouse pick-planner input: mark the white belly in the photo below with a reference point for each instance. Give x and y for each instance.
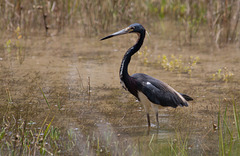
(146, 103)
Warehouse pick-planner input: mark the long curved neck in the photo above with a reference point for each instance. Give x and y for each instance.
(123, 73)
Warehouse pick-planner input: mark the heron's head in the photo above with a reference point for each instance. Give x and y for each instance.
(133, 28)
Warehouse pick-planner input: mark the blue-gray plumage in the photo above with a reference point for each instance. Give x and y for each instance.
(148, 90)
(157, 91)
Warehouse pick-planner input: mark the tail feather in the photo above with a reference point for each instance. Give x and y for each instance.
(186, 97)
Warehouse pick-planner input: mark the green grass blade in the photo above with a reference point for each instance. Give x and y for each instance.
(220, 133)
(47, 129)
(41, 129)
(236, 118)
(44, 97)
(2, 134)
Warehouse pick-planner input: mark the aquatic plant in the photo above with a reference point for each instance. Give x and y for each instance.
(22, 137)
(229, 128)
(172, 64)
(179, 144)
(223, 75)
(45, 97)
(177, 64)
(15, 46)
(8, 45)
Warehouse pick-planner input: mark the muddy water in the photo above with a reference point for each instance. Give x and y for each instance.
(79, 78)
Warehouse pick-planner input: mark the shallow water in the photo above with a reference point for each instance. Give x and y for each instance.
(79, 78)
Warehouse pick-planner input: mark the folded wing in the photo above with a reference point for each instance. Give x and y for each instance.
(159, 92)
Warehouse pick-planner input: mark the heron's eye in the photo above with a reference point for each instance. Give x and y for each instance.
(130, 29)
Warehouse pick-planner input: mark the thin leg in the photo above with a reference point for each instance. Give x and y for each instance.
(155, 109)
(157, 119)
(148, 118)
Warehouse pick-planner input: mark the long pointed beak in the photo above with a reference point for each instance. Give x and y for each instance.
(121, 32)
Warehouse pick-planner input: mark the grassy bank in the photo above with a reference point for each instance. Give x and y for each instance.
(220, 19)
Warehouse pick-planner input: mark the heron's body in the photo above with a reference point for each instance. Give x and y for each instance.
(148, 90)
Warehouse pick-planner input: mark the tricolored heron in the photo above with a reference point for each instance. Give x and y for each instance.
(148, 90)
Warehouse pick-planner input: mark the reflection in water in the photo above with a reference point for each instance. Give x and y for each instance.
(108, 119)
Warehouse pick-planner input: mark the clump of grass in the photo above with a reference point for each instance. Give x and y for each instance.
(175, 63)
(179, 144)
(8, 45)
(15, 42)
(223, 75)
(175, 145)
(172, 64)
(22, 138)
(229, 129)
(15, 45)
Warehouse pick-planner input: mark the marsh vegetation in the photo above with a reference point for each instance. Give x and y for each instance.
(60, 91)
